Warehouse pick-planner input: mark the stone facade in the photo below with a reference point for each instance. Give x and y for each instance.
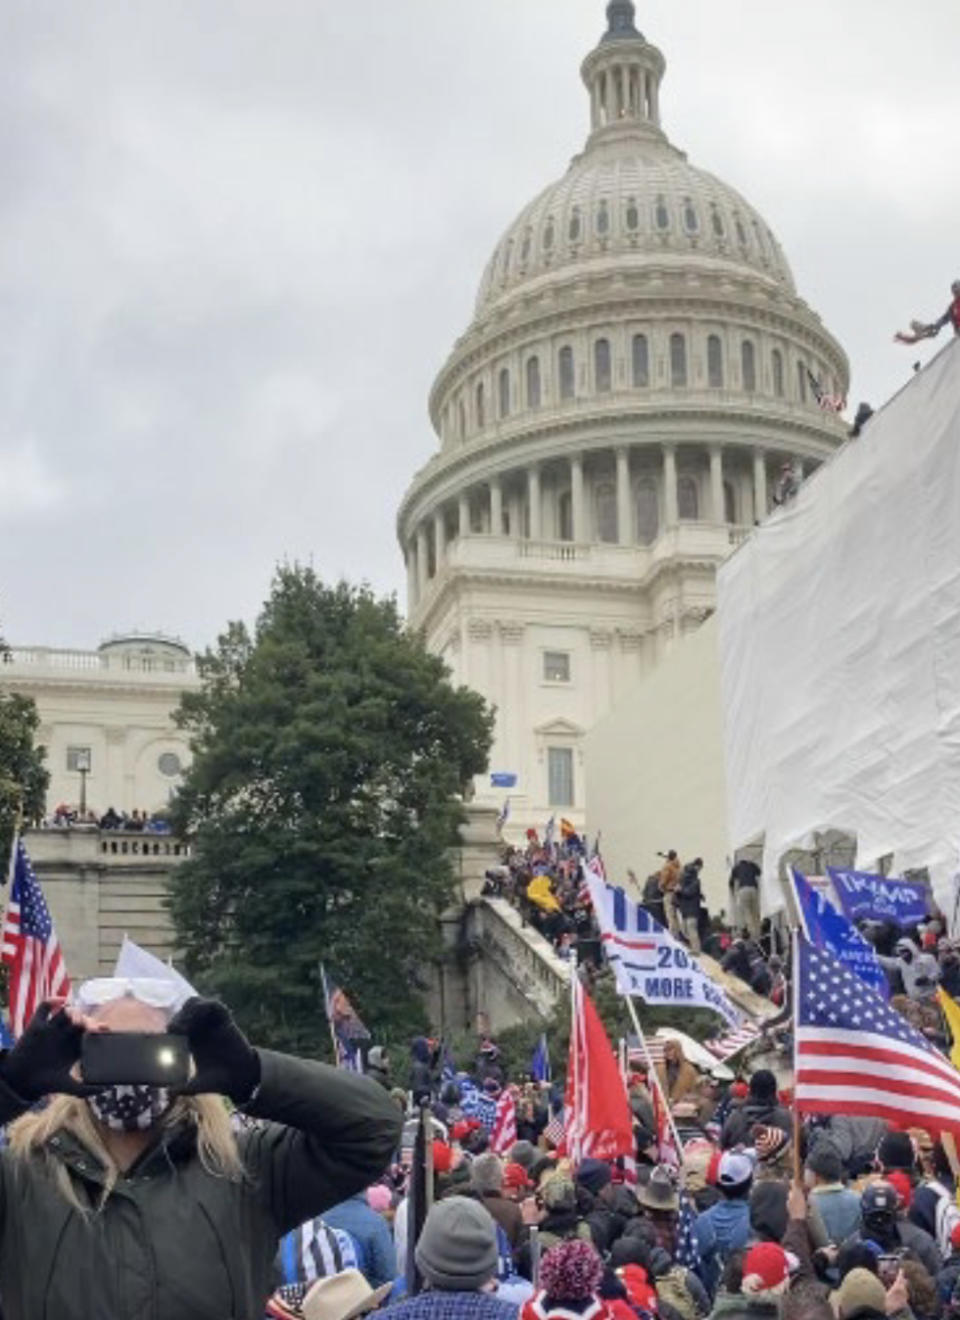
(101, 885)
(115, 704)
(611, 424)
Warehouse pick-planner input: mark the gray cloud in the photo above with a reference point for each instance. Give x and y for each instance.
(237, 240)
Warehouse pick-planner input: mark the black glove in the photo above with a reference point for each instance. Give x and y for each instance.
(226, 1062)
(40, 1062)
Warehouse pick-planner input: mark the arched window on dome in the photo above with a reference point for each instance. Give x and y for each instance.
(526, 246)
(761, 245)
(716, 219)
(741, 232)
(549, 235)
(576, 225)
(691, 221)
(565, 516)
(504, 392)
(603, 219)
(688, 499)
(461, 419)
(533, 382)
(641, 362)
(715, 362)
(776, 361)
(602, 367)
(748, 365)
(605, 513)
(729, 502)
(632, 216)
(802, 381)
(480, 406)
(507, 255)
(565, 372)
(648, 512)
(661, 214)
(678, 361)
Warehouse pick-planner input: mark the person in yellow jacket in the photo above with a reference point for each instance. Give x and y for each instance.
(540, 893)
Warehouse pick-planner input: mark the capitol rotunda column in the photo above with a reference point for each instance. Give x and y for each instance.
(623, 496)
(534, 501)
(671, 515)
(423, 561)
(716, 483)
(576, 499)
(760, 501)
(496, 507)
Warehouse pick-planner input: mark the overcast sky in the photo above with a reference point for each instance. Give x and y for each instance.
(238, 238)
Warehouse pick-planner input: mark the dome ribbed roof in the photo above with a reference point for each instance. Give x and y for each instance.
(632, 199)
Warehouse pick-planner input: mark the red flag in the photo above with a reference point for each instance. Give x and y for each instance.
(597, 1113)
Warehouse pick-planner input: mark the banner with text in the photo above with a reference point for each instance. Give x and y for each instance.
(866, 897)
(647, 961)
(828, 929)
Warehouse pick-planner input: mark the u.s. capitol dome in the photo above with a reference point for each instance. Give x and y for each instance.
(638, 370)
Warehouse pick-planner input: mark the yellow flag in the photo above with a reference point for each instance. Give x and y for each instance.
(951, 1011)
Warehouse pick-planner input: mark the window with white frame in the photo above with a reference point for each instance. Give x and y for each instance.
(560, 776)
(556, 666)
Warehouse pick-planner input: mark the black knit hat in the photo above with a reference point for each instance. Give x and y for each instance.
(763, 1086)
(896, 1151)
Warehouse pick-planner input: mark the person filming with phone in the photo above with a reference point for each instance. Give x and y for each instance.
(129, 1193)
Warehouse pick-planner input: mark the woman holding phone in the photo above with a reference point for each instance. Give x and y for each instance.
(136, 1199)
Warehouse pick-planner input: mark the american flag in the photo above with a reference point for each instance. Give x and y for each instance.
(475, 1104)
(856, 1055)
(687, 1252)
(732, 1042)
(30, 946)
(828, 402)
(504, 1132)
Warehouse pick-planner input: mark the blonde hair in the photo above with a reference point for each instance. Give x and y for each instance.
(207, 1114)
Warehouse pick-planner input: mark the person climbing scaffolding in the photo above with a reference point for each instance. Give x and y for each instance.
(921, 330)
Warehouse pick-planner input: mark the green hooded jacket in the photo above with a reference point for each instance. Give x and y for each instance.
(172, 1241)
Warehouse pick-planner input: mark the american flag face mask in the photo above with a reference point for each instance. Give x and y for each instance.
(129, 1108)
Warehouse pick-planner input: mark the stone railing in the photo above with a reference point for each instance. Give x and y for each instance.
(519, 953)
(86, 845)
(150, 847)
(48, 659)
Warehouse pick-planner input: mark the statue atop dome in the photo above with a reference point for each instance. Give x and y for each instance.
(621, 22)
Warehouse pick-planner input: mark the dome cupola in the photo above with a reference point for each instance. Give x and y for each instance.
(623, 76)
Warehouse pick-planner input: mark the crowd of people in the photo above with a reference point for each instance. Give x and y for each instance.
(64, 816)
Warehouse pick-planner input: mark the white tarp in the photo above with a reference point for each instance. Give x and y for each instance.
(839, 639)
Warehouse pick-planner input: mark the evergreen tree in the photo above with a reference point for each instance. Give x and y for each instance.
(330, 755)
(23, 776)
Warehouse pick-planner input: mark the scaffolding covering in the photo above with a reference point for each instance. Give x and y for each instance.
(839, 638)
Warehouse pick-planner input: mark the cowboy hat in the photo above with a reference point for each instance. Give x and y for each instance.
(342, 1296)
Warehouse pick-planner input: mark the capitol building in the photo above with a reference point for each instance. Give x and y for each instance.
(610, 425)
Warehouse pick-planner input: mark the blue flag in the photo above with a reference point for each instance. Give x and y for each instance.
(878, 898)
(830, 931)
(540, 1063)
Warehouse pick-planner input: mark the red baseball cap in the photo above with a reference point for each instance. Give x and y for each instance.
(442, 1157)
(514, 1177)
(765, 1266)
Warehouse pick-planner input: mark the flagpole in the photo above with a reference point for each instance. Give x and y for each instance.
(654, 1077)
(795, 950)
(326, 1009)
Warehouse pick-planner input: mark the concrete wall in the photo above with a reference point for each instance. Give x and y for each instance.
(655, 771)
(101, 885)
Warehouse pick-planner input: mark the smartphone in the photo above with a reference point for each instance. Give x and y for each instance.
(110, 1058)
(888, 1267)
